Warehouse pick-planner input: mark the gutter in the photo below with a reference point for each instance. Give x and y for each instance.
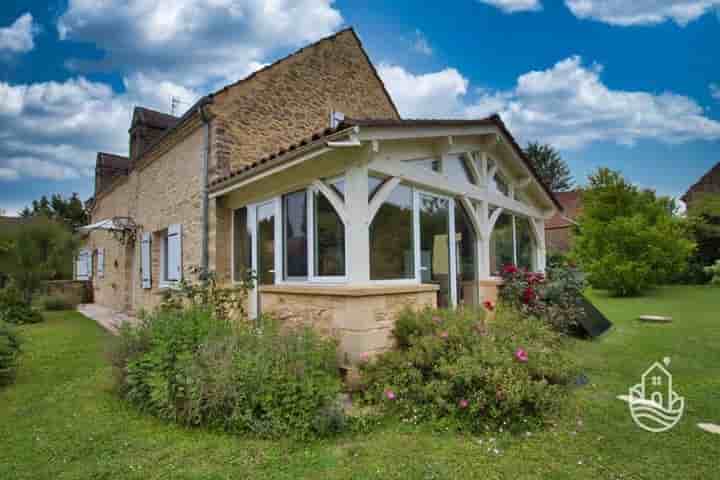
(204, 161)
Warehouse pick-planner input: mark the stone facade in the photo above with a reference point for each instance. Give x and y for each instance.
(293, 99)
(708, 184)
(360, 318)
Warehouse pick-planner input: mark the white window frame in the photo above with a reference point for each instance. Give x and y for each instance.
(100, 263)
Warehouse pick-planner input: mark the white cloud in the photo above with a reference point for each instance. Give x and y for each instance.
(641, 12)
(513, 6)
(430, 95)
(715, 90)
(202, 42)
(8, 173)
(421, 44)
(18, 37)
(567, 105)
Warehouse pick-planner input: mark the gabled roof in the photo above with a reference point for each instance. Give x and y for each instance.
(153, 118)
(112, 163)
(706, 179)
(320, 137)
(572, 204)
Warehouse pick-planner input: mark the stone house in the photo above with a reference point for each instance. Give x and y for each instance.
(559, 229)
(305, 174)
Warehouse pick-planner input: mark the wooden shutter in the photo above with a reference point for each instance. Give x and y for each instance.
(174, 253)
(101, 262)
(81, 265)
(145, 264)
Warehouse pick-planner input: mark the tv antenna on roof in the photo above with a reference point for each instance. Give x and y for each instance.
(175, 102)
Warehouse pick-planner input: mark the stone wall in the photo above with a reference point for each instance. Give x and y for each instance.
(293, 99)
(76, 291)
(155, 195)
(360, 318)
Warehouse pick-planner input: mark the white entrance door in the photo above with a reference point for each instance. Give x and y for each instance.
(266, 255)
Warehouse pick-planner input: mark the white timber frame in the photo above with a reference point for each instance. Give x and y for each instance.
(384, 152)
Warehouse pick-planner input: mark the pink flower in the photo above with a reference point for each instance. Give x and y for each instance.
(521, 355)
(489, 305)
(364, 357)
(444, 334)
(437, 319)
(389, 394)
(463, 403)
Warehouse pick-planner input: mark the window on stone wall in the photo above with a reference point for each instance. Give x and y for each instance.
(391, 238)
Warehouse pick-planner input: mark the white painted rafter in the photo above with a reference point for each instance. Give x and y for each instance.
(381, 195)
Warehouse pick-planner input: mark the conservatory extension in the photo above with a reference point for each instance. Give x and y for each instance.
(345, 229)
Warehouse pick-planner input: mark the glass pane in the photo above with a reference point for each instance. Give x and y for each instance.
(391, 238)
(525, 243)
(242, 260)
(434, 246)
(266, 244)
(329, 239)
(466, 248)
(374, 184)
(339, 186)
(501, 244)
(456, 170)
(295, 233)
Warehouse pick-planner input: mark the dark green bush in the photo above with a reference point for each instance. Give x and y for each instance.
(14, 309)
(187, 366)
(57, 302)
(9, 351)
(454, 367)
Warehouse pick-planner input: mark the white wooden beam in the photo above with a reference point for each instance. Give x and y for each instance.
(523, 183)
(380, 196)
(477, 226)
(333, 198)
(469, 160)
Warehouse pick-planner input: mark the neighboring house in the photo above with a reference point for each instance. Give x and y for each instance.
(559, 229)
(708, 184)
(345, 218)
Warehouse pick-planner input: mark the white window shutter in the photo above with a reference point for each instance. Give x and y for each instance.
(89, 261)
(174, 253)
(81, 265)
(101, 262)
(145, 264)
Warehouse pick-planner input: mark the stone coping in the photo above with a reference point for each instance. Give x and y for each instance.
(348, 290)
(490, 282)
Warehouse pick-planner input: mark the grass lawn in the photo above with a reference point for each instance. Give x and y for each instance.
(61, 421)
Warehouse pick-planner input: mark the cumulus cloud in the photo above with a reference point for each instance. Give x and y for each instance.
(204, 42)
(715, 90)
(18, 37)
(53, 129)
(421, 43)
(513, 6)
(641, 12)
(428, 95)
(567, 105)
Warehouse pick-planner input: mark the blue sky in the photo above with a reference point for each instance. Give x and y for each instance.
(630, 85)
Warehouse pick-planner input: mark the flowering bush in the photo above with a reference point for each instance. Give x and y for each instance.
(453, 366)
(187, 365)
(555, 297)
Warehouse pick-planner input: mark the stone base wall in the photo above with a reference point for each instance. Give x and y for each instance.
(79, 291)
(361, 319)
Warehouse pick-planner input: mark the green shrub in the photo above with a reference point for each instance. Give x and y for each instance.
(454, 367)
(57, 302)
(13, 309)
(555, 297)
(188, 366)
(9, 351)
(715, 272)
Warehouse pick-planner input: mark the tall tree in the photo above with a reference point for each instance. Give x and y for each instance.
(69, 211)
(552, 169)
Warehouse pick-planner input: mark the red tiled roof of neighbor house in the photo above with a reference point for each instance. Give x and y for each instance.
(572, 204)
(493, 120)
(708, 183)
